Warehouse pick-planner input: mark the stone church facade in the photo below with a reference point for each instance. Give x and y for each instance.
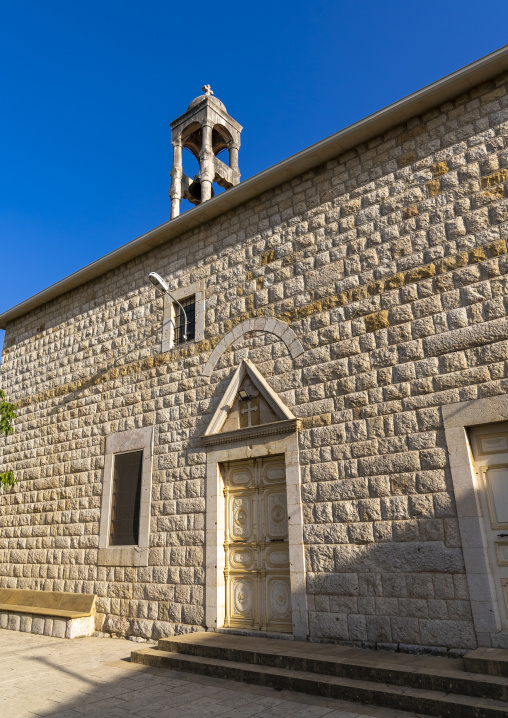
(327, 457)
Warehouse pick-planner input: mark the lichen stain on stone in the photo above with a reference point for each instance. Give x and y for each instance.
(378, 320)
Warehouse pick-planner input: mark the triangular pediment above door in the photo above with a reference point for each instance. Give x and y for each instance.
(249, 408)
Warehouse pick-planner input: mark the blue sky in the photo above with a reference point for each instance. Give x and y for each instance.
(88, 90)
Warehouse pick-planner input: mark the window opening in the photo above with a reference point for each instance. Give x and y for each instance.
(189, 305)
(125, 504)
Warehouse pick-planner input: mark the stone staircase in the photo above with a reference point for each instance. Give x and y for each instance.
(473, 687)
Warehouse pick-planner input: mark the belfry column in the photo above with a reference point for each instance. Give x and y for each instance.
(176, 178)
(206, 166)
(233, 155)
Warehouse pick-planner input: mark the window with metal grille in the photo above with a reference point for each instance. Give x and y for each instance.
(125, 499)
(189, 304)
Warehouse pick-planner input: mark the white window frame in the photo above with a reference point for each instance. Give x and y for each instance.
(121, 443)
(196, 290)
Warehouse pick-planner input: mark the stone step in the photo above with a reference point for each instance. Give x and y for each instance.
(432, 703)
(490, 661)
(397, 669)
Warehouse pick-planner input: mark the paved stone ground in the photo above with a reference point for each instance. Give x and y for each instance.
(92, 678)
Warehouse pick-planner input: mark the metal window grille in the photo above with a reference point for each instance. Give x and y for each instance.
(189, 305)
(126, 499)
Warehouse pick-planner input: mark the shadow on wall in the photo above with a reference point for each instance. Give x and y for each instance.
(399, 595)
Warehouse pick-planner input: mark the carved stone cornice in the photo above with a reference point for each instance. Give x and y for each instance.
(276, 427)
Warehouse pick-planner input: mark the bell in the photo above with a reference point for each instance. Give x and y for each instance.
(195, 191)
(193, 194)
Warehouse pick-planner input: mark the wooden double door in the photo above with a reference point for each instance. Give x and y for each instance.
(257, 576)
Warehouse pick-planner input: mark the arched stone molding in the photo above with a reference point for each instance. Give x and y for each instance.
(260, 324)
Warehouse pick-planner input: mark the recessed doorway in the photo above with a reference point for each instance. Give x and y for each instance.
(256, 570)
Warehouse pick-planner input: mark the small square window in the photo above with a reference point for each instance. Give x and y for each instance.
(192, 298)
(189, 306)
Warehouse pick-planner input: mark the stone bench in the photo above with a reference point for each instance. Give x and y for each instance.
(51, 613)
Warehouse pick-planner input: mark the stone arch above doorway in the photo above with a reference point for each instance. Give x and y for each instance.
(260, 324)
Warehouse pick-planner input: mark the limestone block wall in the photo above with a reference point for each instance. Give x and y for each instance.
(389, 264)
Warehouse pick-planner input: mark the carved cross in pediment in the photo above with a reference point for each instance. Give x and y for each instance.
(249, 409)
(263, 408)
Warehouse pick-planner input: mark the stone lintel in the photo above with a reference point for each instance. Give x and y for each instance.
(276, 427)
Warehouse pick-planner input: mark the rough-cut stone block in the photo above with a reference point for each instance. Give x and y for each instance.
(38, 625)
(48, 626)
(118, 625)
(379, 629)
(448, 633)
(329, 625)
(78, 627)
(379, 320)
(334, 584)
(403, 557)
(405, 630)
(25, 623)
(59, 628)
(13, 622)
(459, 339)
(141, 628)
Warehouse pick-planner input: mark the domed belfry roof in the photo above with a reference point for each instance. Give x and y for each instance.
(208, 94)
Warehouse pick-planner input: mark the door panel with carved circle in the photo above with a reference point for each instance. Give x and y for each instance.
(258, 591)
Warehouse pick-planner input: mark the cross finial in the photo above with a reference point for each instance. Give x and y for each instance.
(207, 90)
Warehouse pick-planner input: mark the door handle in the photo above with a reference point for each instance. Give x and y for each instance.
(502, 535)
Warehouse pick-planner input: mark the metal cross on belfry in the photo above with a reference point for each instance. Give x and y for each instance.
(207, 90)
(249, 411)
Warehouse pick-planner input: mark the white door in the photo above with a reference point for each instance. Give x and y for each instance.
(258, 592)
(490, 452)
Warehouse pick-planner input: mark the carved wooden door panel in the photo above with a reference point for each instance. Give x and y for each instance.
(490, 452)
(258, 592)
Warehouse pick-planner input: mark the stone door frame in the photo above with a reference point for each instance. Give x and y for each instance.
(215, 596)
(482, 589)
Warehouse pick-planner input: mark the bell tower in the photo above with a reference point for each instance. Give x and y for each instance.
(205, 129)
